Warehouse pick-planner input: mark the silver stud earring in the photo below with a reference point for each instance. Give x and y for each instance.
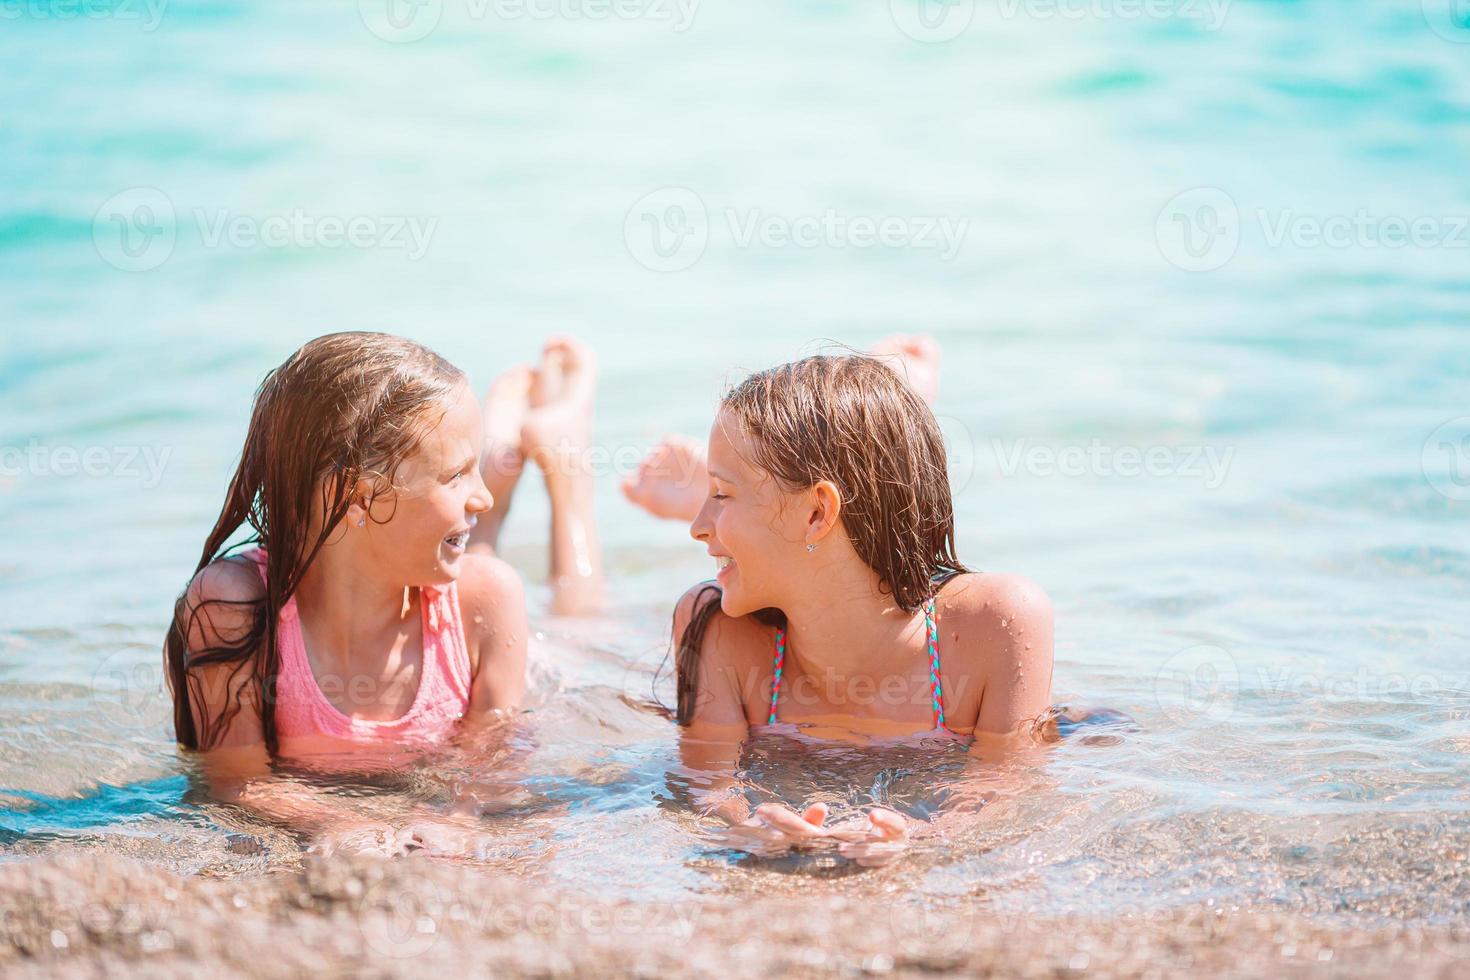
(812, 546)
(362, 522)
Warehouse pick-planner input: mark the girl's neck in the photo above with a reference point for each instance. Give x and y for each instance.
(347, 606)
(846, 625)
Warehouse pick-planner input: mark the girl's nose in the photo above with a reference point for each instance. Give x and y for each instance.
(700, 529)
(480, 499)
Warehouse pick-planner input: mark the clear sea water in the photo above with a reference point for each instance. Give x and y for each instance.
(1205, 379)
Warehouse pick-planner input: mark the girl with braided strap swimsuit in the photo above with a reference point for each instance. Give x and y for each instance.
(829, 516)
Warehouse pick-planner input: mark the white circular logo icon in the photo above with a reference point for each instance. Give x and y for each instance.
(959, 452)
(135, 230)
(401, 21)
(1450, 19)
(924, 930)
(932, 21)
(1199, 683)
(1445, 458)
(128, 692)
(667, 231)
(1199, 230)
(401, 916)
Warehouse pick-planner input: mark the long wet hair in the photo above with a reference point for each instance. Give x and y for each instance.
(852, 420)
(345, 408)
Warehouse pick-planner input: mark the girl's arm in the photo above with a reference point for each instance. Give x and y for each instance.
(732, 665)
(1001, 633)
(709, 746)
(493, 607)
(492, 604)
(1008, 634)
(235, 763)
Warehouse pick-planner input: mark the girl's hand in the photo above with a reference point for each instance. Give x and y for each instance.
(775, 829)
(436, 836)
(881, 842)
(449, 837)
(370, 839)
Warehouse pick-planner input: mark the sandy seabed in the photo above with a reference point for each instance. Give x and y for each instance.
(101, 914)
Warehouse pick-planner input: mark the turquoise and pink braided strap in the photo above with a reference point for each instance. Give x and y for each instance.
(934, 664)
(934, 678)
(776, 681)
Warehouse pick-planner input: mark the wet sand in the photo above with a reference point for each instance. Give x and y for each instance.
(99, 914)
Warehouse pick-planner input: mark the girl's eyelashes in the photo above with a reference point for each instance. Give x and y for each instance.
(463, 472)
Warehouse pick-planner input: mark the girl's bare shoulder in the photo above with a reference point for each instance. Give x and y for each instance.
(996, 647)
(728, 640)
(735, 659)
(491, 596)
(993, 599)
(219, 605)
(487, 579)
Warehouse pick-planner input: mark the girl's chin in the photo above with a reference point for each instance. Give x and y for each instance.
(733, 605)
(451, 561)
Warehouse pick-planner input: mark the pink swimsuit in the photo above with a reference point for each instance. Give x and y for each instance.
(303, 711)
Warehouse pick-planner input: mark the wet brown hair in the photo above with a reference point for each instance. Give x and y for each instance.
(343, 408)
(852, 420)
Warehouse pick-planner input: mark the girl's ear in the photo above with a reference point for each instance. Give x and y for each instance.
(826, 509)
(359, 504)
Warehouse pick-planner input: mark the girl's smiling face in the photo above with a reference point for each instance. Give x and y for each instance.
(417, 533)
(755, 530)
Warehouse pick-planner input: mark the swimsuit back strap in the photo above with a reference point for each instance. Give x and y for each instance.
(938, 694)
(776, 678)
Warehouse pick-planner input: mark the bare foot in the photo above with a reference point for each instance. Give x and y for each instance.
(558, 427)
(506, 405)
(556, 435)
(672, 481)
(503, 459)
(916, 359)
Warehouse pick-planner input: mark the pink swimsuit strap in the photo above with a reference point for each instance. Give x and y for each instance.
(302, 710)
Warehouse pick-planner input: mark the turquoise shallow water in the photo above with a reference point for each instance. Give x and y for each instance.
(1183, 241)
